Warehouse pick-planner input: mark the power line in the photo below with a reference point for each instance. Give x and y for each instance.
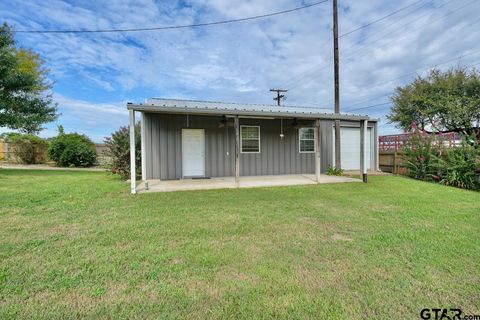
(379, 19)
(371, 106)
(408, 74)
(389, 102)
(355, 52)
(426, 68)
(368, 100)
(428, 23)
(301, 75)
(177, 26)
(311, 77)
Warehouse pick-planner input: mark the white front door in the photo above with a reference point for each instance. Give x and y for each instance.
(193, 152)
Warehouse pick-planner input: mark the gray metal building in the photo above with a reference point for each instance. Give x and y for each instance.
(200, 139)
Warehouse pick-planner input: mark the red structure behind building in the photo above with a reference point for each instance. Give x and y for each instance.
(398, 141)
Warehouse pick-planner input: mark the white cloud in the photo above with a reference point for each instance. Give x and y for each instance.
(97, 120)
(241, 62)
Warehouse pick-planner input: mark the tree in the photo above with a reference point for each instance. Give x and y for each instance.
(440, 102)
(118, 149)
(25, 102)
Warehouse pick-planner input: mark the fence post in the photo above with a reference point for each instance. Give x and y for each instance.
(395, 161)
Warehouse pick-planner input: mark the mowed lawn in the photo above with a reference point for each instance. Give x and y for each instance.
(78, 245)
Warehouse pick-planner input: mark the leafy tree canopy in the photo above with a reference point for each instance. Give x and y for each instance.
(25, 103)
(441, 102)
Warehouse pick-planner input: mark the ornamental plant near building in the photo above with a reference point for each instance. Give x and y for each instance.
(427, 158)
(118, 149)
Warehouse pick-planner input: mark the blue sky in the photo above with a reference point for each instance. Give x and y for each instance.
(96, 74)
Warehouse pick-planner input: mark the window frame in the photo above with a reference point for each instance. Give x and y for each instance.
(259, 139)
(300, 139)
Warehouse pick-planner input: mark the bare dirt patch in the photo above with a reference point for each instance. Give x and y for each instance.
(341, 237)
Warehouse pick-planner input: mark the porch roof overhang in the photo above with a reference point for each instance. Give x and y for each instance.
(192, 107)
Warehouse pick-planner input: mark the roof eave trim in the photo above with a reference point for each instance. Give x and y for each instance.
(203, 111)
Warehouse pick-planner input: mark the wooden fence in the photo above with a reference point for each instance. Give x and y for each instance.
(9, 152)
(392, 161)
(13, 153)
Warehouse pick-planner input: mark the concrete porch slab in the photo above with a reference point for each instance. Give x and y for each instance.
(245, 182)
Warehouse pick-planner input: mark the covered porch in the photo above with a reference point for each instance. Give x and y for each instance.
(191, 145)
(243, 182)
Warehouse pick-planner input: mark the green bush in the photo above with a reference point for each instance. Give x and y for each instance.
(118, 149)
(25, 148)
(460, 166)
(332, 171)
(72, 150)
(427, 158)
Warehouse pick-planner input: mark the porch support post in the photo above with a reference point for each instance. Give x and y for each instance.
(318, 162)
(237, 152)
(133, 182)
(363, 153)
(377, 154)
(142, 146)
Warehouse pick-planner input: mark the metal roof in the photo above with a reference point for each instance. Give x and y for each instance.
(241, 109)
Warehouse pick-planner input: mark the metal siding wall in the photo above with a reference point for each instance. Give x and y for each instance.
(326, 144)
(160, 142)
(278, 156)
(148, 150)
(375, 146)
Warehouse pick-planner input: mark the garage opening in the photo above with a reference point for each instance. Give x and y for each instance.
(350, 148)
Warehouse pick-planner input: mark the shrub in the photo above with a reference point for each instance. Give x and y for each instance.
(421, 156)
(332, 171)
(25, 148)
(460, 166)
(427, 158)
(118, 149)
(72, 150)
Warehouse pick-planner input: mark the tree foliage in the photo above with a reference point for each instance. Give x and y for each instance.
(440, 102)
(118, 146)
(25, 103)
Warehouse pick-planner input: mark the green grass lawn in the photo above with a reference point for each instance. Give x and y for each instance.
(77, 244)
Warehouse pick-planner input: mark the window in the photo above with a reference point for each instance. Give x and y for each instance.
(306, 138)
(250, 139)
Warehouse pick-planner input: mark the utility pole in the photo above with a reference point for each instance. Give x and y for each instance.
(279, 96)
(338, 163)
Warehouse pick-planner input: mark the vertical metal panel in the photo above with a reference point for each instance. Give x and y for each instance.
(277, 156)
(237, 151)
(142, 146)
(326, 155)
(375, 154)
(291, 138)
(220, 154)
(178, 146)
(148, 151)
(161, 142)
(150, 159)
